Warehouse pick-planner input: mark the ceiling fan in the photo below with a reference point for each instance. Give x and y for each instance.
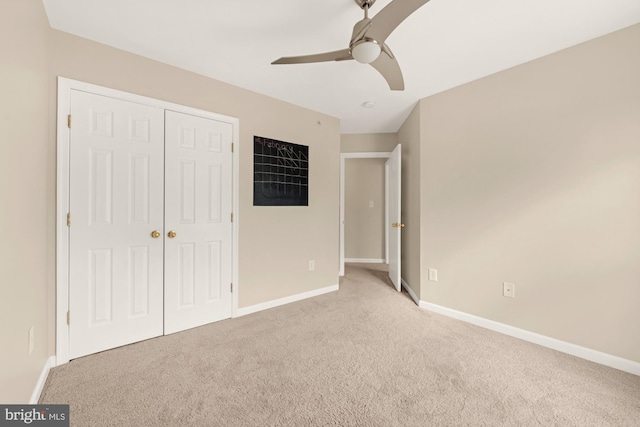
(367, 44)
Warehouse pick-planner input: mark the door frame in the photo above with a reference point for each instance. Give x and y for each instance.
(65, 86)
(359, 155)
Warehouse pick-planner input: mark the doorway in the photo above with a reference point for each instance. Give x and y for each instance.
(365, 239)
(344, 157)
(392, 222)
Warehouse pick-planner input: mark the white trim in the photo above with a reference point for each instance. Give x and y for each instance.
(62, 231)
(286, 300)
(365, 260)
(341, 266)
(343, 157)
(44, 374)
(236, 217)
(386, 211)
(555, 344)
(413, 296)
(65, 86)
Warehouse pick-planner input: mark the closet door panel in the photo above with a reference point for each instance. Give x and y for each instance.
(116, 201)
(198, 243)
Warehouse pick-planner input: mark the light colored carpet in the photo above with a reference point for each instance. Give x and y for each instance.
(362, 356)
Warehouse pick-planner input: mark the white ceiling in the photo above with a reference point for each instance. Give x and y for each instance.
(442, 45)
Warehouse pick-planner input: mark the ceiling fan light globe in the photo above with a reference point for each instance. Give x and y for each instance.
(365, 52)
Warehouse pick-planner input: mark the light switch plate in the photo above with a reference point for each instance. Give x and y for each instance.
(433, 274)
(31, 339)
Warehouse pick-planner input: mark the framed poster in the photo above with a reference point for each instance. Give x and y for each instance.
(280, 173)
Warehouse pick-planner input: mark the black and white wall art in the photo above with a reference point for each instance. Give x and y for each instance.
(280, 173)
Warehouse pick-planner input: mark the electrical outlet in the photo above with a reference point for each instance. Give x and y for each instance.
(433, 274)
(508, 290)
(312, 265)
(31, 339)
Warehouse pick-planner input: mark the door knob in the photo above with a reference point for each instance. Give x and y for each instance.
(397, 224)
(155, 234)
(171, 234)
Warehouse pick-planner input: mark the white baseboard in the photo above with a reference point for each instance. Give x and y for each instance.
(410, 291)
(48, 364)
(282, 301)
(365, 260)
(555, 344)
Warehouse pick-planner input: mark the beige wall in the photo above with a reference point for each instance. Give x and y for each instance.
(409, 136)
(364, 224)
(532, 176)
(368, 142)
(23, 195)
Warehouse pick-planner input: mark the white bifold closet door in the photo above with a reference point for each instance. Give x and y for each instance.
(197, 221)
(150, 236)
(116, 202)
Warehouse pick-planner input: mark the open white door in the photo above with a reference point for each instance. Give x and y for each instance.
(394, 238)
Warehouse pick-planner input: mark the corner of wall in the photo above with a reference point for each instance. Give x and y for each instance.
(24, 156)
(409, 136)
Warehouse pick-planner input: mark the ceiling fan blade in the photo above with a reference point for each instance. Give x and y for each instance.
(390, 70)
(391, 16)
(338, 55)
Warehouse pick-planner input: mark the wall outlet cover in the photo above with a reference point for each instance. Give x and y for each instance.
(508, 290)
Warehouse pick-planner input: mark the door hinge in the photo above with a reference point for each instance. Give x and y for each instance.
(68, 317)
(231, 216)
(69, 219)
(231, 287)
(69, 121)
(232, 147)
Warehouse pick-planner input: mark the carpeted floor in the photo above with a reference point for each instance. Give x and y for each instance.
(362, 356)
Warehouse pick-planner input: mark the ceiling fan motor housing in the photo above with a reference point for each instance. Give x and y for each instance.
(363, 3)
